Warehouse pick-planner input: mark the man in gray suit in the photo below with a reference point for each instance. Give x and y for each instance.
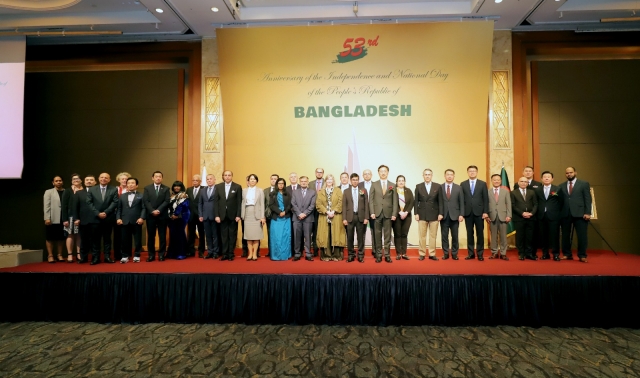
(103, 202)
(205, 209)
(499, 217)
(303, 202)
(451, 210)
(383, 205)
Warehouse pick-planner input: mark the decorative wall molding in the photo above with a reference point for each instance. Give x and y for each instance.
(213, 114)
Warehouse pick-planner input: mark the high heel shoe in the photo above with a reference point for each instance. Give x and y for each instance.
(60, 258)
(50, 259)
(70, 259)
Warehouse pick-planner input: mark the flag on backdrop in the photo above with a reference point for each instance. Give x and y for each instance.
(511, 230)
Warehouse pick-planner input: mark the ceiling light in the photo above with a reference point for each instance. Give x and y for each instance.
(159, 10)
(498, 1)
(214, 9)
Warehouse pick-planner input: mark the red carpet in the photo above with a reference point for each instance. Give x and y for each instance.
(601, 263)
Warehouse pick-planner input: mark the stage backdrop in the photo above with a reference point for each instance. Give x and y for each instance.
(350, 97)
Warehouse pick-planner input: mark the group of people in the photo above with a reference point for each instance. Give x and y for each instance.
(318, 218)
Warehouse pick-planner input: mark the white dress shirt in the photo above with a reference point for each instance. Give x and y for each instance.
(251, 196)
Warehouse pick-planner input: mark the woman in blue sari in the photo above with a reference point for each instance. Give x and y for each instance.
(280, 230)
(178, 218)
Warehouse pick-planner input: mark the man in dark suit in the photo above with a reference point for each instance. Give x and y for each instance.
(227, 211)
(194, 194)
(316, 185)
(103, 201)
(303, 202)
(476, 208)
(355, 215)
(549, 208)
(524, 203)
(366, 184)
(131, 214)
(576, 212)
(450, 212)
(427, 214)
(84, 218)
(121, 178)
(293, 180)
(206, 206)
(528, 173)
(383, 205)
(156, 201)
(267, 211)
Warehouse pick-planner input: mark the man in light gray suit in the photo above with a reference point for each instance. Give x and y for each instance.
(499, 217)
(205, 209)
(303, 203)
(383, 205)
(451, 208)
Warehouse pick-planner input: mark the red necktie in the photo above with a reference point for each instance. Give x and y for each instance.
(119, 191)
(570, 187)
(448, 192)
(495, 194)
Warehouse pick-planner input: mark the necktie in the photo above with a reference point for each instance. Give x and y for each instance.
(318, 186)
(355, 200)
(195, 191)
(209, 192)
(384, 187)
(473, 185)
(524, 193)
(156, 190)
(304, 193)
(448, 191)
(496, 193)
(570, 187)
(546, 192)
(102, 190)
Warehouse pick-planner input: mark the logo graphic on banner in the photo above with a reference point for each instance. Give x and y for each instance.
(355, 49)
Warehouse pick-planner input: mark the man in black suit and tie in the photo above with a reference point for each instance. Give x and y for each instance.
(293, 180)
(527, 172)
(103, 201)
(451, 210)
(355, 215)
(476, 208)
(84, 218)
(194, 194)
(227, 211)
(576, 212)
(156, 201)
(267, 211)
(316, 185)
(131, 214)
(206, 206)
(524, 204)
(427, 214)
(366, 184)
(383, 205)
(303, 202)
(549, 208)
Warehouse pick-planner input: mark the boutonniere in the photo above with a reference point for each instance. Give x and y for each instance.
(390, 188)
(361, 192)
(553, 194)
(233, 191)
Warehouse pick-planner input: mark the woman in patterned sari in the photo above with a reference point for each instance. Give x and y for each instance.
(280, 229)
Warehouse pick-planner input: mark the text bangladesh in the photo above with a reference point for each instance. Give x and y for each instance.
(356, 111)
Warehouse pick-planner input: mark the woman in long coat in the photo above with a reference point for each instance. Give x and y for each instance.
(331, 235)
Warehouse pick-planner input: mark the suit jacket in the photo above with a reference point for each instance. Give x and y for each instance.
(427, 205)
(478, 203)
(206, 204)
(160, 201)
(520, 204)
(383, 206)
(348, 202)
(408, 200)
(579, 202)
(312, 184)
(259, 206)
(267, 210)
(303, 205)
(81, 209)
(502, 208)
(275, 208)
(194, 202)
(109, 205)
(52, 206)
(532, 185)
(453, 207)
(131, 214)
(227, 207)
(552, 205)
(67, 204)
(289, 188)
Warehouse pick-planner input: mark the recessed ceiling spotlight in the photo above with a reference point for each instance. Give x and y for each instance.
(159, 10)
(498, 1)
(214, 9)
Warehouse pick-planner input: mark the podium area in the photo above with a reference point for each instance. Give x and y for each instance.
(444, 292)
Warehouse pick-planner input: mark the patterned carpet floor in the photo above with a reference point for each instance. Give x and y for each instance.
(235, 350)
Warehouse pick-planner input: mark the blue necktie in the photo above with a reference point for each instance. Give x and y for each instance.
(473, 185)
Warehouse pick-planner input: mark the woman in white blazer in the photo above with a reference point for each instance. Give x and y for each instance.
(252, 212)
(53, 219)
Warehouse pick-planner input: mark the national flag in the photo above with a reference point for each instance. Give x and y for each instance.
(511, 230)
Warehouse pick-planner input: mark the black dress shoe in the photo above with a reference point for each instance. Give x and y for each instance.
(445, 257)
(421, 258)
(469, 257)
(566, 258)
(82, 261)
(455, 257)
(201, 255)
(534, 258)
(224, 258)
(308, 258)
(296, 258)
(504, 257)
(161, 258)
(231, 258)
(521, 258)
(361, 259)
(388, 259)
(350, 259)
(108, 260)
(150, 259)
(480, 258)
(405, 257)
(378, 259)
(207, 256)
(545, 257)
(94, 262)
(433, 258)
(398, 257)
(556, 258)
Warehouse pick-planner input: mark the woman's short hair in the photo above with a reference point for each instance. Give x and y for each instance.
(178, 183)
(254, 176)
(326, 178)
